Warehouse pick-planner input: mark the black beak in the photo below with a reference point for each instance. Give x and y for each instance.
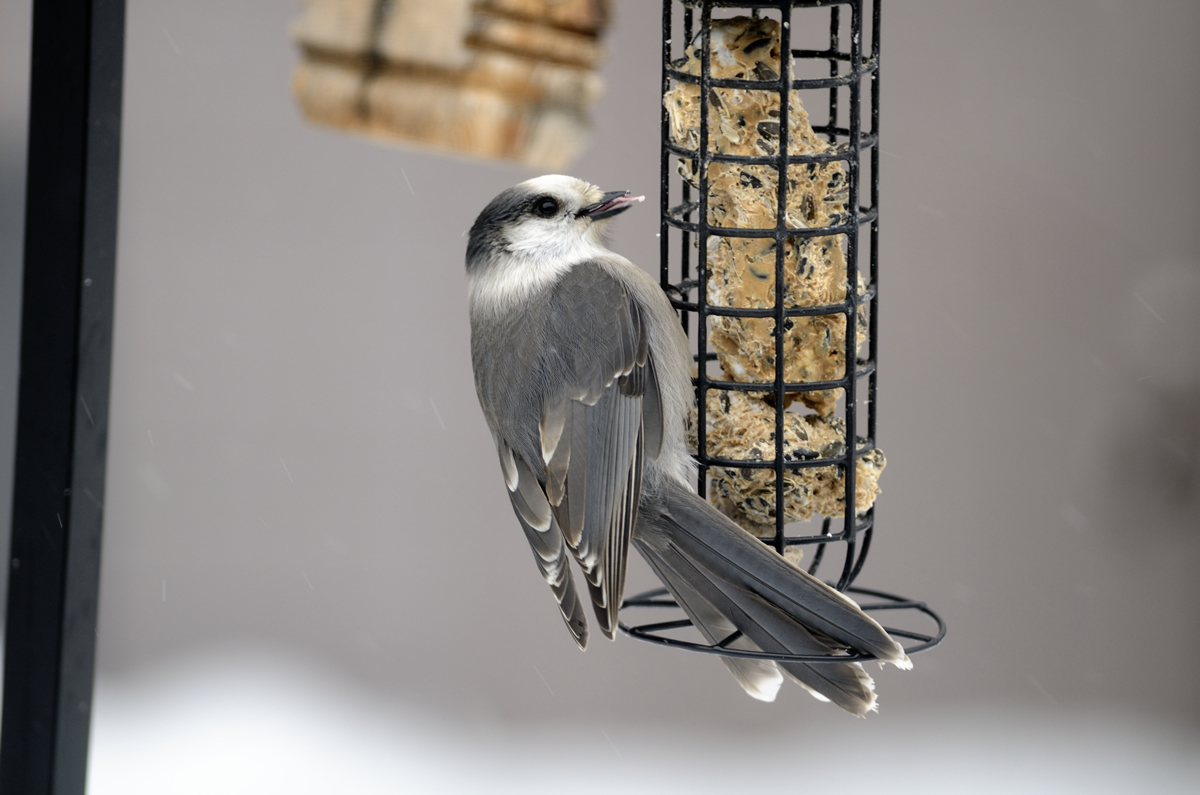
(610, 204)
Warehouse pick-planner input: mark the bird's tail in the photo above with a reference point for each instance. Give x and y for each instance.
(727, 581)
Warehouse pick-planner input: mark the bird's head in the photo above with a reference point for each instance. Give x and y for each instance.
(546, 218)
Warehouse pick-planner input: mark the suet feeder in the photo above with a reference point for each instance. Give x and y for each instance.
(495, 79)
(770, 252)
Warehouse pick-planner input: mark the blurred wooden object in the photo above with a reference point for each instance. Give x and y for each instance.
(498, 79)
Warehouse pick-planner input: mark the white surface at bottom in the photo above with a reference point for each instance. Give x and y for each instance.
(263, 723)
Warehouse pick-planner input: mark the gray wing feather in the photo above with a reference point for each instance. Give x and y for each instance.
(545, 539)
(574, 501)
(550, 429)
(597, 503)
(507, 465)
(566, 399)
(556, 425)
(652, 412)
(529, 499)
(551, 557)
(613, 477)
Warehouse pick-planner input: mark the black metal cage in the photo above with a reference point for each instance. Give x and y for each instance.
(747, 181)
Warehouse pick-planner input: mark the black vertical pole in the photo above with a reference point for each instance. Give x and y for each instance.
(62, 409)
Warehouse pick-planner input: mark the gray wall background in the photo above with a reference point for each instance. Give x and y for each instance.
(297, 458)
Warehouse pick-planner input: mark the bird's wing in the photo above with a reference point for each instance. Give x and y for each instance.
(596, 432)
(545, 539)
(576, 407)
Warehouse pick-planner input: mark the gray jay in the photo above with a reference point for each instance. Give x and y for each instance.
(584, 375)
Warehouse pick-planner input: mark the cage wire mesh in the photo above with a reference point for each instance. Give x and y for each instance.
(763, 255)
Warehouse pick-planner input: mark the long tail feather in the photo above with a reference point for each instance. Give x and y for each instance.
(715, 542)
(727, 581)
(761, 679)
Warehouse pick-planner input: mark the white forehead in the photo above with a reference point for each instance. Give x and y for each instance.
(558, 185)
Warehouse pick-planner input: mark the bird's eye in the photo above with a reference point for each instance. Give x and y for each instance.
(545, 207)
